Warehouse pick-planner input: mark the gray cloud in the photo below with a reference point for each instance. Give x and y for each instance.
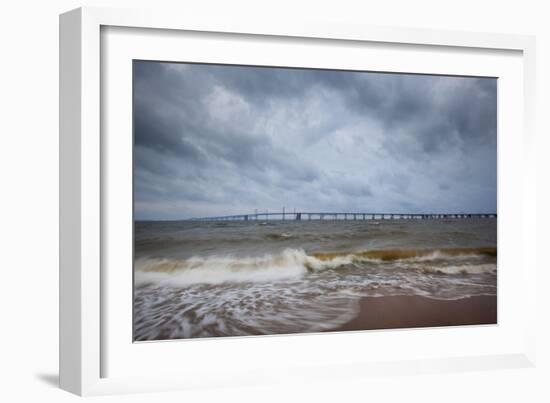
(212, 140)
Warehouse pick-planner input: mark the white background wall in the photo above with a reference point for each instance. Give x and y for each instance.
(29, 200)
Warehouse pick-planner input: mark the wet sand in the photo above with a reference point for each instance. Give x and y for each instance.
(415, 311)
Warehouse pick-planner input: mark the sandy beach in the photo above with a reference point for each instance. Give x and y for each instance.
(416, 311)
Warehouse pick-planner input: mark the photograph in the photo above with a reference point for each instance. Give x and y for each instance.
(275, 200)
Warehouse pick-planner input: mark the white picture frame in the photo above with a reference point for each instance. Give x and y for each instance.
(88, 335)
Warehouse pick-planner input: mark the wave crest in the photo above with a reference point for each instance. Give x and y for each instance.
(412, 254)
(216, 270)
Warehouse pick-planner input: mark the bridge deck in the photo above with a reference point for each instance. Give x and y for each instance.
(343, 216)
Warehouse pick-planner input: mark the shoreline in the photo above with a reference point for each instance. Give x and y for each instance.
(398, 312)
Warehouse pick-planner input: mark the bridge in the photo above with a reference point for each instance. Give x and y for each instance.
(308, 216)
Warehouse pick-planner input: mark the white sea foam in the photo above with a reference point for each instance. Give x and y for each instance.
(463, 269)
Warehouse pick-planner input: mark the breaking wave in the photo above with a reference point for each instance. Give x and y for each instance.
(295, 263)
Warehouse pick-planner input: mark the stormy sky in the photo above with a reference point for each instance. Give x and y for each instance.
(221, 140)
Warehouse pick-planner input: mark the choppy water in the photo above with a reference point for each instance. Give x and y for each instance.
(203, 279)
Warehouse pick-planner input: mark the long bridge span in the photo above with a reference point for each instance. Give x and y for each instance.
(297, 216)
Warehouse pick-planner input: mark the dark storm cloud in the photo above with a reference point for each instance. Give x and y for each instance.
(213, 140)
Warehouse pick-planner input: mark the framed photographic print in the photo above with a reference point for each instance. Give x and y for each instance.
(241, 196)
(396, 224)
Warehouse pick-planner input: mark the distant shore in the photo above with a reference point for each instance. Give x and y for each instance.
(396, 312)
